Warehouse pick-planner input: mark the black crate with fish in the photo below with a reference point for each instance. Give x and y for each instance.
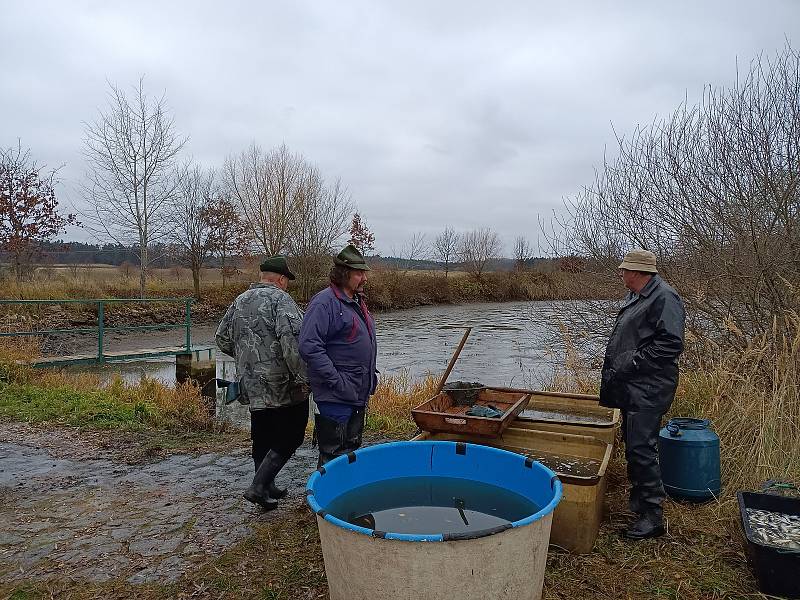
(771, 524)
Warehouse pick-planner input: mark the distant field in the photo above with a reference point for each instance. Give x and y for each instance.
(433, 272)
(177, 276)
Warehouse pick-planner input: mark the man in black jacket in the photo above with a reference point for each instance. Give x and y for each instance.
(640, 375)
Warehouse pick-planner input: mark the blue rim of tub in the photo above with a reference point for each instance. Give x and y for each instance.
(459, 448)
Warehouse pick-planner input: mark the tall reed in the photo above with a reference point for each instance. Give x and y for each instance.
(752, 397)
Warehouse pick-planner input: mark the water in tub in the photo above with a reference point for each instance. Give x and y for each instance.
(430, 505)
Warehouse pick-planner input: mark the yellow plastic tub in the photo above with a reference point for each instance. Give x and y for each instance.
(575, 414)
(580, 463)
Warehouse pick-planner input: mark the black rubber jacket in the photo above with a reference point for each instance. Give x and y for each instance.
(640, 370)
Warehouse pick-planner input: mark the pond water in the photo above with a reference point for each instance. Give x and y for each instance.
(509, 345)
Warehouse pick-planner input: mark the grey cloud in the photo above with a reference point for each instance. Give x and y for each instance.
(429, 112)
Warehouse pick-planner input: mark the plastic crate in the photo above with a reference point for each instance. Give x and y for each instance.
(777, 569)
(577, 518)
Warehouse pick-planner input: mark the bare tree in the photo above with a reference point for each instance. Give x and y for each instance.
(477, 248)
(194, 235)
(264, 185)
(445, 247)
(523, 252)
(320, 220)
(228, 234)
(713, 191)
(288, 207)
(414, 249)
(132, 186)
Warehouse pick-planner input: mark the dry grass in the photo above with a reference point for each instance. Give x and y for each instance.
(15, 353)
(386, 290)
(753, 400)
(575, 374)
(751, 396)
(390, 407)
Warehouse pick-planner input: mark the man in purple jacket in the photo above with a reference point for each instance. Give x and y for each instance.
(337, 342)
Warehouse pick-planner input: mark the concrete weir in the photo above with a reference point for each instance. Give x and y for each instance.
(200, 367)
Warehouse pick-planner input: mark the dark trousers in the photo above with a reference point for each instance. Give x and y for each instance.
(336, 438)
(640, 434)
(278, 429)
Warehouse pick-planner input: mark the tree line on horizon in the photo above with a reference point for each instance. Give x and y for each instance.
(147, 201)
(77, 255)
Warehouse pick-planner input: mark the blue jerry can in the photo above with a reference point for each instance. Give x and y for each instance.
(688, 452)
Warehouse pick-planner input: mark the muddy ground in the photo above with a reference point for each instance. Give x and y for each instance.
(87, 515)
(74, 506)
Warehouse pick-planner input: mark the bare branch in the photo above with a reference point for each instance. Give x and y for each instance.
(131, 185)
(445, 247)
(477, 248)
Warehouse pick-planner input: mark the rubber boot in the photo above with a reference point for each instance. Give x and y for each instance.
(355, 431)
(276, 492)
(258, 492)
(330, 438)
(649, 525)
(635, 501)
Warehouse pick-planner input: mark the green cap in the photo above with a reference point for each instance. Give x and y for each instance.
(351, 258)
(277, 264)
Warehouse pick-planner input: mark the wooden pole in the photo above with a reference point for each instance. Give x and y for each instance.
(453, 361)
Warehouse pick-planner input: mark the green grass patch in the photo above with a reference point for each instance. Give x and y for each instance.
(76, 407)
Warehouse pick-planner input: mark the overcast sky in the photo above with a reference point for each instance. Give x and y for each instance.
(432, 113)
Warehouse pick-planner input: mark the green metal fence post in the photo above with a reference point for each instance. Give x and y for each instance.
(188, 324)
(100, 327)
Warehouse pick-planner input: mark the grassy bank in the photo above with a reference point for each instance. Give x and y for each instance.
(387, 290)
(751, 396)
(149, 415)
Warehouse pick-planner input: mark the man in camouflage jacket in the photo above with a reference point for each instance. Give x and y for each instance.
(259, 331)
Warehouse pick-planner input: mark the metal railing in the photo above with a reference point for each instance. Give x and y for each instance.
(101, 327)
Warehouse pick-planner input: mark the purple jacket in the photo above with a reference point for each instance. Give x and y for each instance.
(337, 342)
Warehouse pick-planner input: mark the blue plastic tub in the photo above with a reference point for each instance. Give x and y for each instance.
(364, 563)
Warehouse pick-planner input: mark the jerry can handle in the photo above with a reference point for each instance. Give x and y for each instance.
(675, 425)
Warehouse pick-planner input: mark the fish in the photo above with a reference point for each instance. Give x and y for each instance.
(775, 529)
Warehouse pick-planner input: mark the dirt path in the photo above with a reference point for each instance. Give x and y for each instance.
(72, 508)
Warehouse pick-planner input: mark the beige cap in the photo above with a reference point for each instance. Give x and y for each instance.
(639, 260)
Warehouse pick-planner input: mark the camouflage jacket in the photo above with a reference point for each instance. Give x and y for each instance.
(259, 331)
